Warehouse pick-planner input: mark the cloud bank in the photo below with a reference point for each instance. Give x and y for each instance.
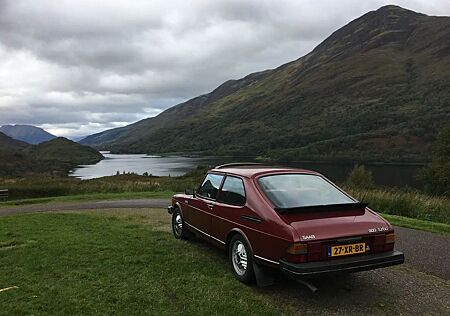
(79, 67)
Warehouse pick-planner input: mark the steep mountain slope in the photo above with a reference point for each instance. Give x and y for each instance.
(8, 143)
(56, 156)
(376, 89)
(27, 133)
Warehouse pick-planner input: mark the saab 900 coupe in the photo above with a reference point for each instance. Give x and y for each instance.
(291, 219)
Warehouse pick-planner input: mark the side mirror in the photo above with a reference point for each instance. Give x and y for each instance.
(189, 192)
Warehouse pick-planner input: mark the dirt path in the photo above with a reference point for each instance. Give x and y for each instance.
(424, 251)
(88, 205)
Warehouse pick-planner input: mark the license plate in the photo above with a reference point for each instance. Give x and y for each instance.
(343, 250)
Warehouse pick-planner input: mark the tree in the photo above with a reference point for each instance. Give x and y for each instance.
(437, 175)
(360, 177)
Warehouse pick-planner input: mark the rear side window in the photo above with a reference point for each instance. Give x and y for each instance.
(210, 186)
(233, 191)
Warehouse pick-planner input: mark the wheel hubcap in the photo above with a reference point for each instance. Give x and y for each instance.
(178, 225)
(239, 257)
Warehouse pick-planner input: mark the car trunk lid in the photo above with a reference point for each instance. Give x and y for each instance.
(324, 227)
(332, 221)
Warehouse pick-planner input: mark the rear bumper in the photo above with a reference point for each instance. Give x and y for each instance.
(344, 265)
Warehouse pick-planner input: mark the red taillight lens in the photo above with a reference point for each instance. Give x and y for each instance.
(297, 249)
(297, 253)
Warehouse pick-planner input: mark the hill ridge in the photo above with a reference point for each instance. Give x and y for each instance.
(377, 89)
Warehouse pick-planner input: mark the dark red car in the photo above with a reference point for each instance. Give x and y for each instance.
(291, 219)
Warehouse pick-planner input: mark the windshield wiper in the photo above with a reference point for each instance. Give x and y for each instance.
(325, 207)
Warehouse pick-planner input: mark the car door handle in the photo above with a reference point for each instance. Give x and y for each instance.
(210, 206)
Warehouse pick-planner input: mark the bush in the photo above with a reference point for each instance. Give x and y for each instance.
(360, 177)
(437, 175)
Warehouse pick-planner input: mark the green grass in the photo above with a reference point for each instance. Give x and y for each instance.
(95, 264)
(90, 197)
(413, 223)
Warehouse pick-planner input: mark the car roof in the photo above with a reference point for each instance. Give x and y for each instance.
(253, 169)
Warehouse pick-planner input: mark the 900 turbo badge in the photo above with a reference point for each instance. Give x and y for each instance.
(378, 229)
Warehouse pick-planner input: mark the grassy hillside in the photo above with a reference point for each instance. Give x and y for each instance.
(377, 89)
(56, 156)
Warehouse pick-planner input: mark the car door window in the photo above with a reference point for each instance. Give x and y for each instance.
(233, 191)
(210, 186)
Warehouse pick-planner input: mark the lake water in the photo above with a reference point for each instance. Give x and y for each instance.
(140, 163)
(398, 175)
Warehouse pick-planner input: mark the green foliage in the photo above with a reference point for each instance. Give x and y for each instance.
(54, 157)
(360, 178)
(410, 204)
(437, 175)
(66, 151)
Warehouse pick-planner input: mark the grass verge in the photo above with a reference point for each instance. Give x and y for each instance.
(90, 264)
(413, 223)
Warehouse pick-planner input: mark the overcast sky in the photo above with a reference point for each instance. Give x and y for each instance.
(80, 67)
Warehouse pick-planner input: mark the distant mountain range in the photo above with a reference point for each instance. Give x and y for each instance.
(56, 156)
(27, 133)
(378, 89)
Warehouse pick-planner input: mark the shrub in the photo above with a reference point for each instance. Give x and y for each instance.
(437, 175)
(360, 177)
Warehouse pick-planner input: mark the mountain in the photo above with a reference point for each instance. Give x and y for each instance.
(27, 133)
(64, 150)
(56, 156)
(11, 143)
(378, 89)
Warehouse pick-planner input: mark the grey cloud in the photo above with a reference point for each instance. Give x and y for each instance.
(78, 67)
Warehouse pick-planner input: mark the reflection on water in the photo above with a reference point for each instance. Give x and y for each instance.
(388, 175)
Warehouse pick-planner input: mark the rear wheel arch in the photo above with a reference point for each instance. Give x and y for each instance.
(232, 233)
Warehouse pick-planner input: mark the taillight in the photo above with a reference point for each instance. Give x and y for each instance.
(389, 241)
(297, 253)
(297, 249)
(390, 238)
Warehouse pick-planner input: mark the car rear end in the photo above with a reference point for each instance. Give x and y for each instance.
(335, 233)
(337, 255)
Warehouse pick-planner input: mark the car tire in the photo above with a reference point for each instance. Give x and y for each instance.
(179, 229)
(241, 259)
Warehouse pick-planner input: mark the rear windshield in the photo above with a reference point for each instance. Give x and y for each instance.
(300, 190)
